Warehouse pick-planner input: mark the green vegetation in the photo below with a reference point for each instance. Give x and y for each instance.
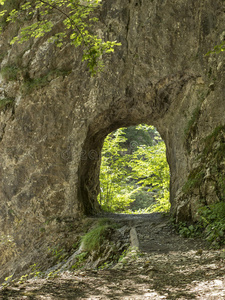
(53, 274)
(80, 260)
(115, 190)
(34, 272)
(6, 102)
(7, 281)
(212, 218)
(97, 243)
(195, 179)
(10, 73)
(210, 225)
(35, 83)
(95, 237)
(210, 164)
(211, 148)
(217, 49)
(150, 169)
(129, 255)
(188, 231)
(141, 199)
(139, 135)
(192, 122)
(14, 72)
(8, 6)
(208, 172)
(134, 170)
(77, 19)
(58, 254)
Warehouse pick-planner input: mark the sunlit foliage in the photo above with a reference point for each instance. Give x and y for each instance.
(77, 18)
(124, 174)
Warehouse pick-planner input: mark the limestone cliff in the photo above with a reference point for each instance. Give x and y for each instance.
(54, 116)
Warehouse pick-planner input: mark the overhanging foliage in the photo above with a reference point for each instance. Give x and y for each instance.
(77, 17)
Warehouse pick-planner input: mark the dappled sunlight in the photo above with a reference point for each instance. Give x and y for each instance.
(176, 275)
(134, 174)
(166, 266)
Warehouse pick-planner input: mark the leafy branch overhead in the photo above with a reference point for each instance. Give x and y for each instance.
(77, 17)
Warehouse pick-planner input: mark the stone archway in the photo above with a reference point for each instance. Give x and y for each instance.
(126, 112)
(159, 76)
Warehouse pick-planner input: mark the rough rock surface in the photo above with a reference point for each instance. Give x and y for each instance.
(51, 138)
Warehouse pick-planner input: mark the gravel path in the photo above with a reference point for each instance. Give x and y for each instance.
(166, 267)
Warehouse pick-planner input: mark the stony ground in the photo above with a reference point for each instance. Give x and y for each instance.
(166, 267)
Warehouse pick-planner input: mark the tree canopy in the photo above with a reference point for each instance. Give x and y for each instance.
(77, 18)
(134, 172)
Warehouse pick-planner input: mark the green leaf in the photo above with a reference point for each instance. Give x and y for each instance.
(78, 19)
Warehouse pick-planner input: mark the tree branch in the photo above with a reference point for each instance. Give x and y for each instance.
(67, 16)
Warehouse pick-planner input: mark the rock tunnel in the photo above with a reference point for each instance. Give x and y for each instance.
(51, 136)
(127, 112)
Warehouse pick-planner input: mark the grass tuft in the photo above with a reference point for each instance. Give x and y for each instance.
(94, 238)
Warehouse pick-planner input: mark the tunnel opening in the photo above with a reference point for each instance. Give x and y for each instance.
(134, 173)
(124, 170)
(156, 107)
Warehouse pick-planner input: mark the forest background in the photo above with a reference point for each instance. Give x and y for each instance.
(134, 175)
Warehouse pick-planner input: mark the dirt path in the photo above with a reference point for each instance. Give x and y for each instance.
(168, 267)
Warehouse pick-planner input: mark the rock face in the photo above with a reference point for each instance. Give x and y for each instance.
(56, 115)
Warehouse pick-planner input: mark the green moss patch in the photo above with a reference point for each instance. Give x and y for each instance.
(10, 73)
(195, 179)
(210, 148)
(192, 122)
(211, 162)
(35, 83)
(6, 102)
